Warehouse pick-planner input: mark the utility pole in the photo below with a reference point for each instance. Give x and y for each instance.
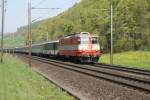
(29, 33)
(2, 30)
(111, 31)
(46, 36)
(13, 42)
(29, 29)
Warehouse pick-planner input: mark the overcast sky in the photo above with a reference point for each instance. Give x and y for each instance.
(16, 14)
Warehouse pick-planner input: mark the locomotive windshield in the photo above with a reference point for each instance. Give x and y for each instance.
(94, 40)
(84, 40)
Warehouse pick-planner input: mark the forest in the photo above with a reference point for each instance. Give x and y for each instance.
(131, 24)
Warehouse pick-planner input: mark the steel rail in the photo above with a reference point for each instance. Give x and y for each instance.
(126, 69)
(127, 81)
(98, 70)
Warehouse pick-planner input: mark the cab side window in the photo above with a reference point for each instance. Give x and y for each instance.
(94, 40)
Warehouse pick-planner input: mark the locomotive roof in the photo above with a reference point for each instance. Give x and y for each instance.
(76, 34)
(80, 34)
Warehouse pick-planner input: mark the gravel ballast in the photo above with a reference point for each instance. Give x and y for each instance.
(86, 87)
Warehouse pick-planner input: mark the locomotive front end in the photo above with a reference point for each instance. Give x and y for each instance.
(88, 48)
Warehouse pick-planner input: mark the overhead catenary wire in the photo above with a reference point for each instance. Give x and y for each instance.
(45, 8)
(67, 2)
(29, 30)
(40, 3)
(36, 7)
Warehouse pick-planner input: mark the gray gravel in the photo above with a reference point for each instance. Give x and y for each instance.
(86, 87)
(122, 73)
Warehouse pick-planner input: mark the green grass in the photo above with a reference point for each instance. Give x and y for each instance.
(17, 82)
(136, 59)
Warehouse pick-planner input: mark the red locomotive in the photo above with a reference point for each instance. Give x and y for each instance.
(82, 47)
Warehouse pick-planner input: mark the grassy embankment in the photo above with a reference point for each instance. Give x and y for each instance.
(17, 82)
(137, 59)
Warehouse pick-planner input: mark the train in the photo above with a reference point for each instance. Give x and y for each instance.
(77, 47)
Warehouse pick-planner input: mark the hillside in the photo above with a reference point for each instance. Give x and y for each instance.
(131, 23)
(17, 41)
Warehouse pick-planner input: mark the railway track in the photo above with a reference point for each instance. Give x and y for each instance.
(107, 72)
(125, 69)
